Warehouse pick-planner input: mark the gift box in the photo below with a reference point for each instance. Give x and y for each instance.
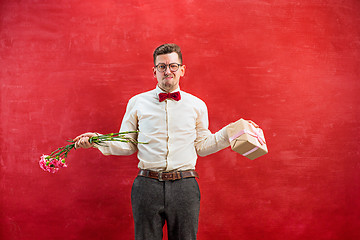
(246, 139)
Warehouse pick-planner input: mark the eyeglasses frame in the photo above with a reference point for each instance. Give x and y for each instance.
(168, 66)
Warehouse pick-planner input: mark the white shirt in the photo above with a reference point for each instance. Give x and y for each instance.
(175, 132)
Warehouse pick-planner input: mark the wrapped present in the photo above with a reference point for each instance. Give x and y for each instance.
(246, 139)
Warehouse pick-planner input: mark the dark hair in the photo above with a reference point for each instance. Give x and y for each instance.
(166, 49)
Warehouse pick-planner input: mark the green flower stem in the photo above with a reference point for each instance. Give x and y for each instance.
(62, 152)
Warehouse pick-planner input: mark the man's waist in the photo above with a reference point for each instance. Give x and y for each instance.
(168, 176)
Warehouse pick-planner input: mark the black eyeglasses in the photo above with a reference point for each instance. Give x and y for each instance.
(161, 67)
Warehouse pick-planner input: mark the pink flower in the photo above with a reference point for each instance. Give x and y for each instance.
(51, 165)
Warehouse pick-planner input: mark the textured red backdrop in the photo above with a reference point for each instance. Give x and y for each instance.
(291, 66)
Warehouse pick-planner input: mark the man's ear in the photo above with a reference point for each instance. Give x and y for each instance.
(154, 72)
(183, 68)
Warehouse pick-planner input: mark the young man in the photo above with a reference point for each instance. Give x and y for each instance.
(174, 124)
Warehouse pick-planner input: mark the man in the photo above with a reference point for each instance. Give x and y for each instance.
(174, 124)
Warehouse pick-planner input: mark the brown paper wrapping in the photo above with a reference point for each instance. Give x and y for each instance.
(246, 139)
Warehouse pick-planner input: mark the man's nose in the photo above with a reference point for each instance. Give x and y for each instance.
(167, 69)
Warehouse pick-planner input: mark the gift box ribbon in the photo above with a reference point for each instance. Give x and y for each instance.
(255, 133)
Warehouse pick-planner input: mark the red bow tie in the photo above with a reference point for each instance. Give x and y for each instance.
(175, 95)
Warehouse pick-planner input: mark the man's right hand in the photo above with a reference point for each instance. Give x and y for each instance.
(82, 141)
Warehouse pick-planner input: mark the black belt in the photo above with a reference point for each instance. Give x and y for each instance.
(166, 176)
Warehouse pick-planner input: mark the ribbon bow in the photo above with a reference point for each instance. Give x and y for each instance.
(254, 133)
(174, 95)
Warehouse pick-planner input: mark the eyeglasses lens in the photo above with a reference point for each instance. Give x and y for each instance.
(162, 67)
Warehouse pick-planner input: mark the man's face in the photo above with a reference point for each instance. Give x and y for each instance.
(168, 80)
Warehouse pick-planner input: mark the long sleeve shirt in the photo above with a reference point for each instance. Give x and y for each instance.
(174, 132)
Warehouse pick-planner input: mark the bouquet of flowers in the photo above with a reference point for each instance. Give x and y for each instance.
(56, 160)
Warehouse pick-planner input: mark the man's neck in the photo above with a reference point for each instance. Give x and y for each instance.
(170, 90)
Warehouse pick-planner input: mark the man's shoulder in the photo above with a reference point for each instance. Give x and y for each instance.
(144, 95)
(191, 98)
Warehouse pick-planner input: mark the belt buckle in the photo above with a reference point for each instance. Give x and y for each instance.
(160, 174)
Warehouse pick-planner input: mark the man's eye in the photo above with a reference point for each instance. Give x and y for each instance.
(161, 66)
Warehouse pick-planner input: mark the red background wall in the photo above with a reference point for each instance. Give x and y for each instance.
(291, 66)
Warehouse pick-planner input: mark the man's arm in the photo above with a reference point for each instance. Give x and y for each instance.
(207, 143)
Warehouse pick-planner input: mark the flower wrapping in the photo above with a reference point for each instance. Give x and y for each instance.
(246, 139)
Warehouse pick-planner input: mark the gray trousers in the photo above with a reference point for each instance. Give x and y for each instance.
(176, 202)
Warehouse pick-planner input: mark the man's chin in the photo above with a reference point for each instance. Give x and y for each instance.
(168, 87)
